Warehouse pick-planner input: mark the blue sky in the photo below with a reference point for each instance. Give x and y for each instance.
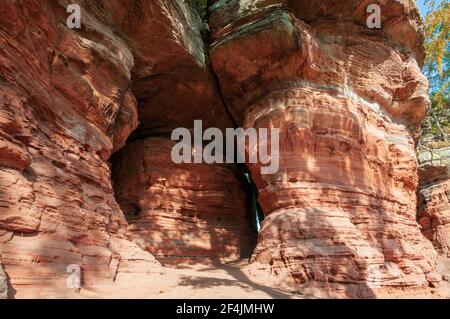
(422, 7)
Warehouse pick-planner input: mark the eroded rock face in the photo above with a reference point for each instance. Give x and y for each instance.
(434, 199)
(434, 214)
(3, 284)
(172, 78)
(65, 105)
(194, 213)
(201, 214)
(341, 210)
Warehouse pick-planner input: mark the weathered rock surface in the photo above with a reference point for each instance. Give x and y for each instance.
(3, 284)
(200, 218)
(201, 214)
(338, 55)
(172, 78)
(434, 199)
(182, 212)
(341, 210)
(400, 18)
(65, 105)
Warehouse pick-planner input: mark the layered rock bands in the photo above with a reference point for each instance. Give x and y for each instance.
(68, 102)
(341, 210)
(86, 177)
(434, 202)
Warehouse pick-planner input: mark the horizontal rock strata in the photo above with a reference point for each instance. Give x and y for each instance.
(65, 105)
(172, 78)
(3, 284)
(341, 210)
(87, 181)
(182, 212)
(434, 198)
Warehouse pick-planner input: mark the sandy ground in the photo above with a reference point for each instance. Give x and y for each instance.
(204, 281)
(198, 281)
(189, 282)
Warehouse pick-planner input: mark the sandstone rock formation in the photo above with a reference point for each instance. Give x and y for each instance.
(434, 199)
(172, 79)
(65, 105)
(3, 284)
(182, 212)
(79, 104)
(341, 211)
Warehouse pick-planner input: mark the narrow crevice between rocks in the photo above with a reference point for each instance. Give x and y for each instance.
(132, 210)
(251, 190)
(257, 215)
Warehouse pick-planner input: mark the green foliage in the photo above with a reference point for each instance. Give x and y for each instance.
(200, 3)
(437, 44)
(201, 6)
(435, 129)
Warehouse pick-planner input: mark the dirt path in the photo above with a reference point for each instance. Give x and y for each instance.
(188, 282)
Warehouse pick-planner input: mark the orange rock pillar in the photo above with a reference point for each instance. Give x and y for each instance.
(341, 210)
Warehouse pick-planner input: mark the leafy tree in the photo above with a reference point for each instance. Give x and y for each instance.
(436, 127)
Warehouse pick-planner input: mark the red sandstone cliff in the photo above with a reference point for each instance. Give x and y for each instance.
(182, 212)
(341, 211)
(65, 105)
(340, 214)
(434, 202)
